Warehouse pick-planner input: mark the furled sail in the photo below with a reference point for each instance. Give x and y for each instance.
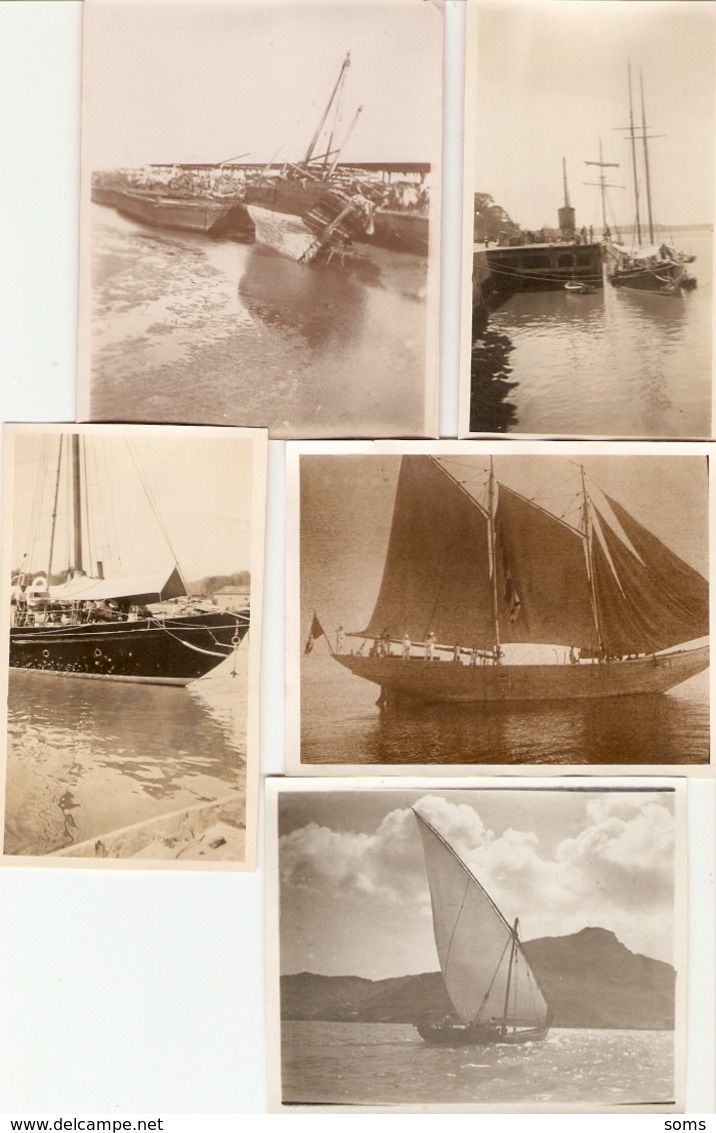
(648, 601)
(475, 944)
(436, 574)
(543, 587)
(143, 589)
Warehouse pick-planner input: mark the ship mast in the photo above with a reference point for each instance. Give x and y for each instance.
(632, 140)
(601, 183)
(509, 972)
(334, 94)
(54, 511)
(644, 138)
(588, 535)
(493, 563)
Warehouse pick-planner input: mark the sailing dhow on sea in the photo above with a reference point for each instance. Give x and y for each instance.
(494, 992)
(89, 625)
(472, 566)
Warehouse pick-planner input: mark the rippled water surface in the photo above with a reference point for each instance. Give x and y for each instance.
(89, 757)
(379, 1063)
(617, 362)
(186, 328)
(342, 724)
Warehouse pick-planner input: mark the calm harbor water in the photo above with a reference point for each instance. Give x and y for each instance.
(615, 363)
(186, 328)
(340, 723)
(381, 1063)
(89, 757)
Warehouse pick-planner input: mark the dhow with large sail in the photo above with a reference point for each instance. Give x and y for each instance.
(474, 567)
(496, 997)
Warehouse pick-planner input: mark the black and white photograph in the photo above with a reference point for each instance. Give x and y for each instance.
(447, 947)
(261, 214)
(133, 581)
(588, 218)
(477, 603)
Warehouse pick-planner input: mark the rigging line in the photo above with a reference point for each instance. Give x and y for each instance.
(151, 500)
(544, 510)
(515, 273)
(457, 921)
(462, 865)
(32, 537)
(459, 485)
(198, 649)
(495, 974)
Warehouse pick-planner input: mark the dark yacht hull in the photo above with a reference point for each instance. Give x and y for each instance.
(168, 651)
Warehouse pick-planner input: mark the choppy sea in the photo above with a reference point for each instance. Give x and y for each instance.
(389, 1064)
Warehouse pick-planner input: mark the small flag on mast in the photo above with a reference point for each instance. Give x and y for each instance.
(314, 633)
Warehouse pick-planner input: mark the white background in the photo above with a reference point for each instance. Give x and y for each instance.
(142, 992)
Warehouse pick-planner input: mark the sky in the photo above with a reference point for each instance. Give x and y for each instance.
(552, 80)
(201, 488)
(354, 893)
(347, 508)
(170, 80)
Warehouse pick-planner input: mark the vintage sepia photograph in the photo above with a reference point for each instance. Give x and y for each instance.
(588, 218)
(494, 947)
(480, 603)
(260, 214)
(132, 575)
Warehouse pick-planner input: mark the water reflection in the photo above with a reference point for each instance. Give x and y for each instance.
(616, 362)
(86, 757)
(342, 725)
(324, 306)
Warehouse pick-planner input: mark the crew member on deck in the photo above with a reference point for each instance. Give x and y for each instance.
(406, 646)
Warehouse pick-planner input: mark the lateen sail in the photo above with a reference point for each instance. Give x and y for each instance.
(474, 944)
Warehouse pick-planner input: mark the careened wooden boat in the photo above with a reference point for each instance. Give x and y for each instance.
(315, 208)
(90, 626)
(474, 569)
(645, 261)
(494, 992)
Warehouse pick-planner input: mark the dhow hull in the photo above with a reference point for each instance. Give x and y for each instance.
(438, 682)
(169, 651)
(442, 1034)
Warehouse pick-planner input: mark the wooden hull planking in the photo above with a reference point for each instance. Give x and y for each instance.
(436, 682)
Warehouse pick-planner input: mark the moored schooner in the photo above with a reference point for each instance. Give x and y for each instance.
(646, 261)
(473, 568)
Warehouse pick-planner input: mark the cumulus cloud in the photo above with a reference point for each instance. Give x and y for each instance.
(621, 860)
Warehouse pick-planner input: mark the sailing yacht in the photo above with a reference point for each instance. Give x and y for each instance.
(470, 569)
(104, 628)
(646, 262)
(495, 994)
